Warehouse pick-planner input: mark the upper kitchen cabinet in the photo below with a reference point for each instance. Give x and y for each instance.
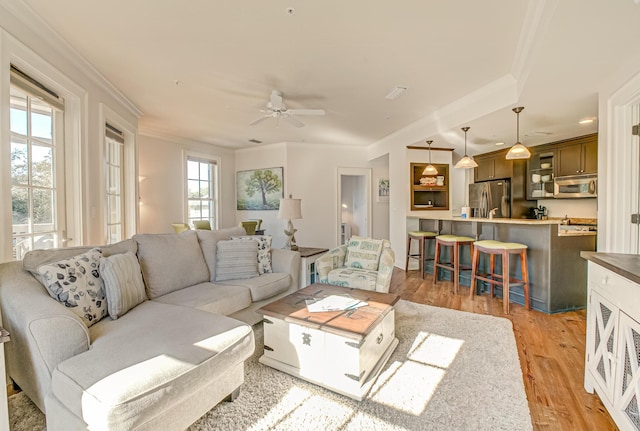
(540, 172)
(493, 166)
(578, 156)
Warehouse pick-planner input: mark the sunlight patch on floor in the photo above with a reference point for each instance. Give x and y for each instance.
(301, 406)
(433, 349)
(409, 386)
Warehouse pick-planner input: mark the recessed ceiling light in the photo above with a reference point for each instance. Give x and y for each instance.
(396, 92)
(291, 11)
(587, 120)
(499, 143)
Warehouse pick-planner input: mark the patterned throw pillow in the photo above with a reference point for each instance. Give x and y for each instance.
(363, 253)
(76, 283)
(122, 282)
(264, 251)
(236, 259)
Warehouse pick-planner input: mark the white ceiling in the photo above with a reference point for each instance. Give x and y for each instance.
(202, 69)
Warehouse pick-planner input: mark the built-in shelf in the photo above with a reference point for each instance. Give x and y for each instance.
(429, 192)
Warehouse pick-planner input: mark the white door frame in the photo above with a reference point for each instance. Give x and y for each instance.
(359, 172)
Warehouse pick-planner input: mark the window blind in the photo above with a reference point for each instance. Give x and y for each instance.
(36, 89)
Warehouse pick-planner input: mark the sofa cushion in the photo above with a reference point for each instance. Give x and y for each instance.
(146, 361)
(211, 297)
(34, 258)
(353, 277)
(122, 283)
(236, 259)
(264, 251)
(208, 242)
(363, 253)
(76, 283)
(264, 286)
(170, 262)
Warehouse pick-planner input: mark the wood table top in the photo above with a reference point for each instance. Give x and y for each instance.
(356, 323)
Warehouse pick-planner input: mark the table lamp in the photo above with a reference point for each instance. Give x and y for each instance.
(290, 209)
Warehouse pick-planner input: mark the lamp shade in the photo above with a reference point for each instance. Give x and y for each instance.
(290, 209)
(518, 151)
(466, 163)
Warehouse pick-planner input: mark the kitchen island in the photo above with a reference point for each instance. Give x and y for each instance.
(557, 273)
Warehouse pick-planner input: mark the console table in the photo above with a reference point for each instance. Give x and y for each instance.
(308, 257)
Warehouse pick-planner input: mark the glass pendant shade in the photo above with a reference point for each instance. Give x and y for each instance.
(430, 169)
(518, 151)
(466, 162)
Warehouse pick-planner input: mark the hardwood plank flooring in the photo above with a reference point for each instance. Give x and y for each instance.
(551, 348)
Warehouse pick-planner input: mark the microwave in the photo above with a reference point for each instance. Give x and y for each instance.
(576, 186)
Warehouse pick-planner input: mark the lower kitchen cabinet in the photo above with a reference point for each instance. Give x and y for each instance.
(613, 344)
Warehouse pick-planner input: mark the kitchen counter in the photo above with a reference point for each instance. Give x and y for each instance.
(625, 265)
(557, 273)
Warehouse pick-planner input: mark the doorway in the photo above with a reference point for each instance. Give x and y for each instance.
(354, 203)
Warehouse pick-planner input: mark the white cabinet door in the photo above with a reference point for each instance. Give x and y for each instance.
(602, 325)
(626, 400)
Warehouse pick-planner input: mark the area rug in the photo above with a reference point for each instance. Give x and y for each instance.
(451, 371)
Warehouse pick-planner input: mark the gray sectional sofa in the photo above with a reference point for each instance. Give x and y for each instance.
(160, 365)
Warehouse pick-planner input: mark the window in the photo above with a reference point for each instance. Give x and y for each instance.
(114, 140)
(202, 179)
(37, 180)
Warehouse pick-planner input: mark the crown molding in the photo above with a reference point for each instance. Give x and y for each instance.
(27, 18)
(161, 134)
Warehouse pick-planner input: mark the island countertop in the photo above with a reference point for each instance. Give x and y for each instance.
(626, 265)
(491, 220)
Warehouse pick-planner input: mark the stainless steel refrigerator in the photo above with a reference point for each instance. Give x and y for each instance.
(489, 195)
(507, 196)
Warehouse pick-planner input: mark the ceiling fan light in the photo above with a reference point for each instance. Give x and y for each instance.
(517, 152)
(466, 163)
(430, 170)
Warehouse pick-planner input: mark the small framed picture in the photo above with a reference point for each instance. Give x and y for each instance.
(383, 190)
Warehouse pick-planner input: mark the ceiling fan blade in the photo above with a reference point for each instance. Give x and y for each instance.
(306, 111)
(259, 120)
(292, 120)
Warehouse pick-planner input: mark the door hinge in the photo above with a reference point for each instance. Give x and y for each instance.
(635, 130)
(635, 218)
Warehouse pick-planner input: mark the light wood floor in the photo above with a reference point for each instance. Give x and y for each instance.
(551, 350)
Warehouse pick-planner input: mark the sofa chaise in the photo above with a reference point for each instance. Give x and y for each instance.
(177, 351)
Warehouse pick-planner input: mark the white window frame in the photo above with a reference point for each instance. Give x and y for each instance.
(14, 52)
(215, 189)
(130, 187)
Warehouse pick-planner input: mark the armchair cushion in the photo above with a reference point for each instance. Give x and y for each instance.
(363, 253)
(353, 277)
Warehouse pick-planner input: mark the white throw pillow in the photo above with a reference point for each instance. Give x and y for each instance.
(122, 282)
(236, 259)
(76, 283)
(264, 251)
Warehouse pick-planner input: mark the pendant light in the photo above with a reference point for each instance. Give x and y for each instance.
(518, 151)
(466, 162)
(430, 169)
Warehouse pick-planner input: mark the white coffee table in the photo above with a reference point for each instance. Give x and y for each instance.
(343, 351)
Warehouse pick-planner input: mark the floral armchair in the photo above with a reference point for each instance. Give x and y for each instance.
(362, 263)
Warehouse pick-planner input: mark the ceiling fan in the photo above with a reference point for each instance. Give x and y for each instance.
(278, 110)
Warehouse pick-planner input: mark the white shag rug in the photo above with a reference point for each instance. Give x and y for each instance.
(451, 371)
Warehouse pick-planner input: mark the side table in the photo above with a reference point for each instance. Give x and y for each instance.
(4, 402)
(308, 257)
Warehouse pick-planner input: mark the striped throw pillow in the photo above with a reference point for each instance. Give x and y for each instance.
(236, 259)
(123, 283)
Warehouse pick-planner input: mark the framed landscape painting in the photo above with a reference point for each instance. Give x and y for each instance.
(259, 189)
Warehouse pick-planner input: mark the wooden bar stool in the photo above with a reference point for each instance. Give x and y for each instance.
(504, 249)
(422, 237)
(455, 242)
